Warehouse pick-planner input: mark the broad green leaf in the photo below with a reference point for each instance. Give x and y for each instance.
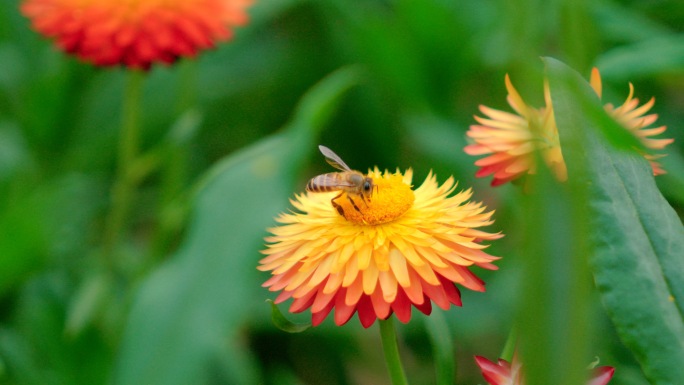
(606, 125)
(185, 319)
(282, 323)
(637, 240)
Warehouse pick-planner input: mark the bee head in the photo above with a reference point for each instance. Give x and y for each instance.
(368, 185)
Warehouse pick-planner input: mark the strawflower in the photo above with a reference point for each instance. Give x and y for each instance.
(403, 248)
(510, 139)
(505, 373)
(135, 33)
(631, 116)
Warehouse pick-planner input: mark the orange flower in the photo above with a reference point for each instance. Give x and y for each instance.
(402, 248)
(510, 139)
(135, 33)
(505, 373)
(631, 116)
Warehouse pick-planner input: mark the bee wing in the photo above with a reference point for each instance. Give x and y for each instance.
(330, 180)
(333, 159)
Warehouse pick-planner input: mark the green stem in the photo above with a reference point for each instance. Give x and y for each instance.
(391, 350)
(174, 170)
(124, 186)
(442, 348)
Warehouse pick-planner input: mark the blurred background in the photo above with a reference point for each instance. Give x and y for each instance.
(176, 298)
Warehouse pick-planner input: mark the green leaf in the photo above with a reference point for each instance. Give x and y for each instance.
(615, 133)
(637, 238)
(283, 323)
(186, 317)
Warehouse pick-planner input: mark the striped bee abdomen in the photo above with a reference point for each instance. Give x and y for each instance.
(332, 181)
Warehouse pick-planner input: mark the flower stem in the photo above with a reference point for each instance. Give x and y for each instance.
(391, 350)
(123, 188)
(442, 348)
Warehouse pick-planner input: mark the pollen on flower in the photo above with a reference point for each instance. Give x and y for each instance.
(391, 198)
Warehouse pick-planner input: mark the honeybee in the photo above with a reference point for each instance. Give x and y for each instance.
(349, 181)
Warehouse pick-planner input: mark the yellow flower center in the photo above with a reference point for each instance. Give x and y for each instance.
(391, 198)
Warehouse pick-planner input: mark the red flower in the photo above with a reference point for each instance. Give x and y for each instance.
(135, 33)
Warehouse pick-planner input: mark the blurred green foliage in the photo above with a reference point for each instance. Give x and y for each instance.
(228, 137)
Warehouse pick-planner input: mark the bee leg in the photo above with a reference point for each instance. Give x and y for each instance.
(354, 203)
(337, 207)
